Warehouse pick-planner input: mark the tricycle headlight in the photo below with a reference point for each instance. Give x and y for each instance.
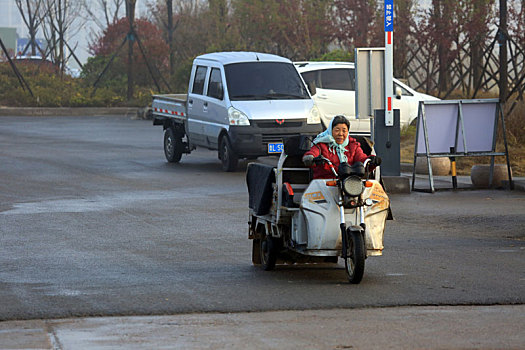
(353, 186)
(314, 117)
(237, 117)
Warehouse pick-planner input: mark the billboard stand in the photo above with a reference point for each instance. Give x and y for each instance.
(459, 128)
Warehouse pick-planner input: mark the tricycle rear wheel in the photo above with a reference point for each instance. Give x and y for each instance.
(355, 257)
(256, 251)
(268, 253)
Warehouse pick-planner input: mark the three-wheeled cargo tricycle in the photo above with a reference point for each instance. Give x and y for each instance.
(296, 219)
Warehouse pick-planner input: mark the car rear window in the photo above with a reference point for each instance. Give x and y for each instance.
(263, 81)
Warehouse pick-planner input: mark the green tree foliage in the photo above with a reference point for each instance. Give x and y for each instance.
(433, 45)
(359, 23)
(337, 55)
(109, 43)
(297, 29)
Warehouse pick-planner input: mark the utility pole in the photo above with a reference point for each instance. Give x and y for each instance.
(130, 13)
(502, 40)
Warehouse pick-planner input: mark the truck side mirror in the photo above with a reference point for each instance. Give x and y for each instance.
(312, 88)
(399, 92)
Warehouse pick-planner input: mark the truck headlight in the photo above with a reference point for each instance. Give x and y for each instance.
(314, 117)
(237, 117)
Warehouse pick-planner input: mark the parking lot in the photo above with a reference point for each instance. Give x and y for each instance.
(94, 222)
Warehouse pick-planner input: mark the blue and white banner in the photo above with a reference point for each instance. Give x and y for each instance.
(389, 15)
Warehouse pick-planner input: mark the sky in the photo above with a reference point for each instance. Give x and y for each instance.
(10, 17)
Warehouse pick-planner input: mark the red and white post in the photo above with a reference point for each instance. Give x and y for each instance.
(389, 61)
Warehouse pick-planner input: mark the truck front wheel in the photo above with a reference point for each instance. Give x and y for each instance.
(227, 156)
(173, 146)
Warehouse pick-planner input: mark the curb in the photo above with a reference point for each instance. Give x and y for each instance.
(72, 111)
(396, 184)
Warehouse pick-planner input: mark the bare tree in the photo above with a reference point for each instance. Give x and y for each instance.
(168, 24)
(404, 24)
(29, 10)
(58, 18)
(104, 12)
(182, 22)
(443, 17)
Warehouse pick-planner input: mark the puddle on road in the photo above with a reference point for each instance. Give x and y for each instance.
(97, 203)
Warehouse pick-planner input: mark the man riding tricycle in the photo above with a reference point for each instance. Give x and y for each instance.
(322, 202)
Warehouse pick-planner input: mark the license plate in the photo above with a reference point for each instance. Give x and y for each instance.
(277, 147)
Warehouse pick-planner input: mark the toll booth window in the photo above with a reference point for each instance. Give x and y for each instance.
(198, 82)
(338, 79)
(404, 92)
(215, 89)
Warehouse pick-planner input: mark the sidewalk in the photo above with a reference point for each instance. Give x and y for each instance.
(419, 327)
(464, 182)
(422, 182)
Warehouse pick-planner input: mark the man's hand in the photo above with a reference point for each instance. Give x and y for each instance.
(375, 160)
(308, 160)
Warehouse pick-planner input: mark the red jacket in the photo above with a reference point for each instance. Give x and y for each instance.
(353, 153)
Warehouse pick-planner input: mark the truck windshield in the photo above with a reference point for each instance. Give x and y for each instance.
(264, 81)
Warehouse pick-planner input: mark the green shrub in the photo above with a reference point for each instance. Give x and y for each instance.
(337, 55)
(51, 90)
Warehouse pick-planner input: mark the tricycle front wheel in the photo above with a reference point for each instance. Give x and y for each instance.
(355, 257)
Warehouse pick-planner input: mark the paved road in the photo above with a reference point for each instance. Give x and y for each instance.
(94, 222)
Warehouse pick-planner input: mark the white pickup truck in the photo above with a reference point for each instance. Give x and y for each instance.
(243, 104)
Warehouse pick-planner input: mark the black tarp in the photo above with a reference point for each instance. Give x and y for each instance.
(259, 178)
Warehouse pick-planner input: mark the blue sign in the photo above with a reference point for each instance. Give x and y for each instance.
(389, 15)
(22, 43)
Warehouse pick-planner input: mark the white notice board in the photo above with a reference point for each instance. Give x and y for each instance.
(459, 128)
(448, 121)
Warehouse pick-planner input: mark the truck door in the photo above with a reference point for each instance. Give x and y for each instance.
(217, 117)
(196, 108)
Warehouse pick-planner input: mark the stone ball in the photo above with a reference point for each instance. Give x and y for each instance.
(440, 166)
(480, 173)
